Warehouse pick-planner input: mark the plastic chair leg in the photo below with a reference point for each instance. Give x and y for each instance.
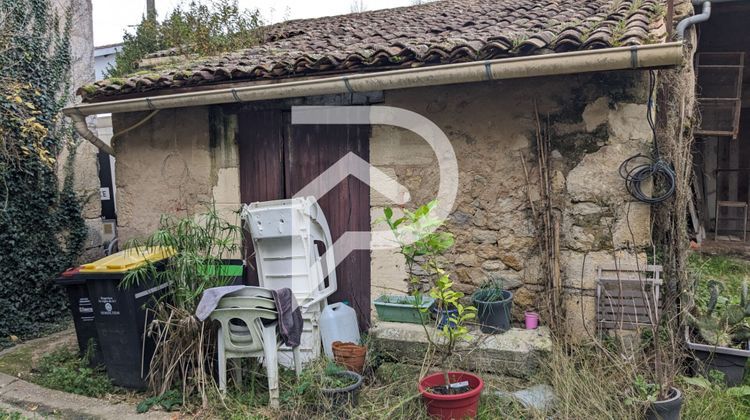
(297, 361)
(222, 363)
(237, 372)
(272, 365)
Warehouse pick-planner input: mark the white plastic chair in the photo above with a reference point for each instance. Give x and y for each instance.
(243, 334)
(284, 234)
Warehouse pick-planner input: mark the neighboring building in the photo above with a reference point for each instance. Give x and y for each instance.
(475, 69)
(86, 159)
(104, 58)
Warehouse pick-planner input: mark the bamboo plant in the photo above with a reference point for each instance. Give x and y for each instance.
(184, 344)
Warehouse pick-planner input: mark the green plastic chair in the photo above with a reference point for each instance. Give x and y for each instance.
(243, 334)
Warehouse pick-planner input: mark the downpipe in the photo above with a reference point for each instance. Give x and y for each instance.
(695, 19)
(705, 14)
(80, 125)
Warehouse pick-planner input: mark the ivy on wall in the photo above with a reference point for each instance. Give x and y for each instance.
(41, 228)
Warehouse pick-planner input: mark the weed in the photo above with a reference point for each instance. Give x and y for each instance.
(589, 384)
(391, 392)
(711, 399)
(65, 371)
(730, 271)
(10, 415)
(168, 400)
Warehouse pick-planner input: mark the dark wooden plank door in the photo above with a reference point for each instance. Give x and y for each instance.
(261, 156)
(310, 150)
(292, 157)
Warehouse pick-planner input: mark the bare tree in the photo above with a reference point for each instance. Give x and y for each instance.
(358, 6)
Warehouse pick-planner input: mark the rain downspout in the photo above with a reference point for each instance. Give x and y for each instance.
(702, 17)
(79, 123)
(692, 20)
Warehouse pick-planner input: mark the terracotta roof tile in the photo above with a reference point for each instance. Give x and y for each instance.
(441, 32)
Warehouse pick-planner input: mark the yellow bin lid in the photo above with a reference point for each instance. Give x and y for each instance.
(128, 259)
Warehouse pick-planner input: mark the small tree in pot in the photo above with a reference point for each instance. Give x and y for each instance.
(448, 394)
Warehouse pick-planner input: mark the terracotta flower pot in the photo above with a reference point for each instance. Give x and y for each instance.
(350, 355)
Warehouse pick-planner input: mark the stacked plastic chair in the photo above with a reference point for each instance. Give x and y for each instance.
(285, 235)
(248, 320)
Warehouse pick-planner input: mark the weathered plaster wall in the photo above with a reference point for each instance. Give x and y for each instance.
(596, 122)
(170, 166)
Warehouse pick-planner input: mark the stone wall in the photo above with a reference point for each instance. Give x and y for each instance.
(170, 166)
(596, 122)
(86, 169)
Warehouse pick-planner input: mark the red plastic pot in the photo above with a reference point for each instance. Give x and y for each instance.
(454, 406)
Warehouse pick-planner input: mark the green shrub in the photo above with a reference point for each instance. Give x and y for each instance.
(200, 27)
(64, 370)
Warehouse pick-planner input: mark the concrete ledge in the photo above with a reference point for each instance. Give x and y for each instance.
(517, 352)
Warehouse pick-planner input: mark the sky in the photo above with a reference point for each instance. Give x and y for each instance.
(113, 17)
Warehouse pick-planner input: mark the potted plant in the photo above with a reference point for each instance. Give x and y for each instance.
(658, 408)
(494, 306)
(451, 394)
(409, 309)
(722, 324)
(447, 394)
(339, 386)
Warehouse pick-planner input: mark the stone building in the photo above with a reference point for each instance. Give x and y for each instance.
(86, 169)
(220, 129)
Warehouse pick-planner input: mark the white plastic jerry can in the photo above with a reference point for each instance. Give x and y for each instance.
(338, 322)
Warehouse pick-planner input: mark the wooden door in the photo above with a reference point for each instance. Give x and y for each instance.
(293, 156)
(261, 156)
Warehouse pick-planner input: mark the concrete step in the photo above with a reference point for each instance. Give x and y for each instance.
(517, 352)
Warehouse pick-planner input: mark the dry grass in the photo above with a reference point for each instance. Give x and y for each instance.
(590, 384)
(389, 392)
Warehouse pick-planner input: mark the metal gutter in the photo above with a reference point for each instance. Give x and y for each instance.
(620, 58)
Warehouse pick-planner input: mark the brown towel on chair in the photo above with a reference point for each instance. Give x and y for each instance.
(289, 326)
(290, 317)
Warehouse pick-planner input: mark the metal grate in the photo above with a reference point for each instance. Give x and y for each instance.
(627, 298)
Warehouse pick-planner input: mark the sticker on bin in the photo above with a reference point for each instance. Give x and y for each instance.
(84, 306)
(109, 308)
(151, 290)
